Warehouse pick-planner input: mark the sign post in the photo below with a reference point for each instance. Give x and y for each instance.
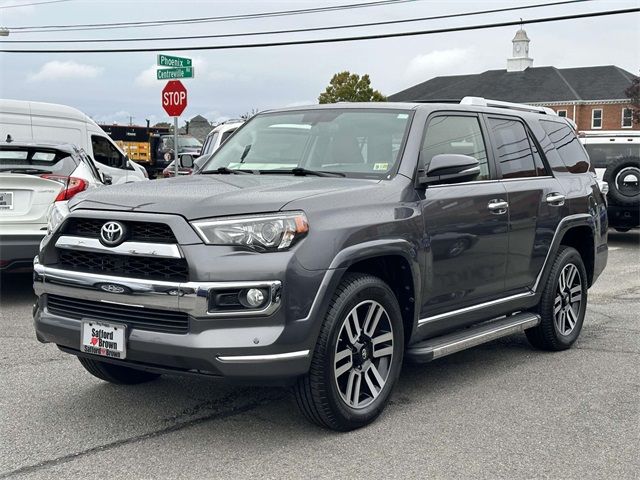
(174, 95)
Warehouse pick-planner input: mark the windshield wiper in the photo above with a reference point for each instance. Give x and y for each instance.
(23, 170)
(300, 171)
(226, 170)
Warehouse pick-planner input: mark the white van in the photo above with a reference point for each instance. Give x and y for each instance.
(40, 122)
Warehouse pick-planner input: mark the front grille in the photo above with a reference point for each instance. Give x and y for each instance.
(151, 319)
(165, 269)
(138, 231)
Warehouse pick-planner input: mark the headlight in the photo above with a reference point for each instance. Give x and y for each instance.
(57, 213)
(277, 231)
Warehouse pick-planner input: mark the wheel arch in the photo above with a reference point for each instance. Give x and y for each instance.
(394, 262)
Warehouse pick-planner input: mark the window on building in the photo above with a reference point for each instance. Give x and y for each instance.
(596, 118)
(562, 113)
(627, 118)
(458, 135)
(567, 145)
(514, 148)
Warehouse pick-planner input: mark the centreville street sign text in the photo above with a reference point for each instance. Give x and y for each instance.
(173, 73)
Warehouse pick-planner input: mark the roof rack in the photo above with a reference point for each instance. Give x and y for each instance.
(484, 102)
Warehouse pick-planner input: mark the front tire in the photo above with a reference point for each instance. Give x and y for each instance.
(563, 303)
(357, 358)
(115, 373)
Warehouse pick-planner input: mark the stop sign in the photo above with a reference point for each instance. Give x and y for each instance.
(174, 98)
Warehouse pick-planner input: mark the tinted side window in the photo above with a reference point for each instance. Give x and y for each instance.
(105, 153)
(513, 148)
(601, 154)
(568, 146)
(457, 135)
(226, 135)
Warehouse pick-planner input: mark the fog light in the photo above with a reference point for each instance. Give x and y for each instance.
(254, 297)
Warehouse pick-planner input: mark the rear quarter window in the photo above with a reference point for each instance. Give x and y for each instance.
(567, 145)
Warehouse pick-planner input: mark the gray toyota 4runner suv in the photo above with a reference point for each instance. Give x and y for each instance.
(321, 246)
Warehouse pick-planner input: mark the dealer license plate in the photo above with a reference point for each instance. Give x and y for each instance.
(104, 339)
(6, 200)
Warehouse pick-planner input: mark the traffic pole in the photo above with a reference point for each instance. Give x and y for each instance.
(175, 146)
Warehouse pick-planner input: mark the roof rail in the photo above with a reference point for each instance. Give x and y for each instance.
(484, 102)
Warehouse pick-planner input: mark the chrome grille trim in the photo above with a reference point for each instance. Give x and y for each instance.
(158, 250)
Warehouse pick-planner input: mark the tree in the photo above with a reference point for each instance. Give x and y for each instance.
(162, 124)
(247, 115)
(350, 87)
(633, 93)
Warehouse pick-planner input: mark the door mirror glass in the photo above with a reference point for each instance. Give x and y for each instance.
(186, 161)
(450, 167)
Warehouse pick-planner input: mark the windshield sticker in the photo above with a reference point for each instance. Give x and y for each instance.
(380, 166)
(403, 116)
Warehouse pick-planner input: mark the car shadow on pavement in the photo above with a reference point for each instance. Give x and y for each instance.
(16, 286)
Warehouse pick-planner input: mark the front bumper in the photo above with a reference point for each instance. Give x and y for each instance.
(254, 347)
(17, 251)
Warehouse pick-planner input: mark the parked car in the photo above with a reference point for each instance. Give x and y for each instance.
(50, 123)
(616, 158)
(218, 135)
(33, 176)
(311, 250)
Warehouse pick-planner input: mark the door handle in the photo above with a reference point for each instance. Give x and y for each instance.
(555, 199)
(498, 206)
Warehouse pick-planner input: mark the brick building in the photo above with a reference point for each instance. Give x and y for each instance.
(593, 97)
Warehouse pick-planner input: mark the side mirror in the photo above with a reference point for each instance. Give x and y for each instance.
(107, 179)
(448, 168)
(186, 161)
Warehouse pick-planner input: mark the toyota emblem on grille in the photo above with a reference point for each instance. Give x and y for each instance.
(112, 233)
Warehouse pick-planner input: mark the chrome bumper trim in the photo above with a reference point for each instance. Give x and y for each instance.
(263, 358)
(190, 297)
(158, 250)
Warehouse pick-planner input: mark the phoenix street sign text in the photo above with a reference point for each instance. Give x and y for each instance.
(169, 61)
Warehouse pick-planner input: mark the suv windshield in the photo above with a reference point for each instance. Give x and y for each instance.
(34, 160)
(601, 154)
(363, 143)
(190, 142)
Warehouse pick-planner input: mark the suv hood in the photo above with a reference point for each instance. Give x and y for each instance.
(202, 196)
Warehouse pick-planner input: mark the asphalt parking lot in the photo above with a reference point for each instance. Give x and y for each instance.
(502, 410)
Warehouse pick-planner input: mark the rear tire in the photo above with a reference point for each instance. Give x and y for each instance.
(563, 303)
(357, 358)
(115, 373)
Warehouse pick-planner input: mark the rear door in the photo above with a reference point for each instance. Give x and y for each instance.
(465, 234)
(535, 198)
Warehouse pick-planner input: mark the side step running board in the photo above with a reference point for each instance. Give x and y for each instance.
(437, 347)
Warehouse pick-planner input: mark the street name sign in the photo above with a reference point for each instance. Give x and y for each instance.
(172, 73)
(170, 61)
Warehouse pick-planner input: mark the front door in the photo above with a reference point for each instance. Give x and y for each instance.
(465, 223)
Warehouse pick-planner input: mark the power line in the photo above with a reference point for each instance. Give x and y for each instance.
(34, 3)
(244, 16)
(338, 39)
(301, 30)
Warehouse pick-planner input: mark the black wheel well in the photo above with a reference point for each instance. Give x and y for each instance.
(395, 271)
(581, 238)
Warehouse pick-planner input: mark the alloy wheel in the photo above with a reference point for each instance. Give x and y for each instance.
(364, 353)
(568, 300)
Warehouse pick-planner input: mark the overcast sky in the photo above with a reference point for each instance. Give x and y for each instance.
(111, 87)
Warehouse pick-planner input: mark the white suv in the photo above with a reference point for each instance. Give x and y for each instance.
(616, 158)
(34, 176)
